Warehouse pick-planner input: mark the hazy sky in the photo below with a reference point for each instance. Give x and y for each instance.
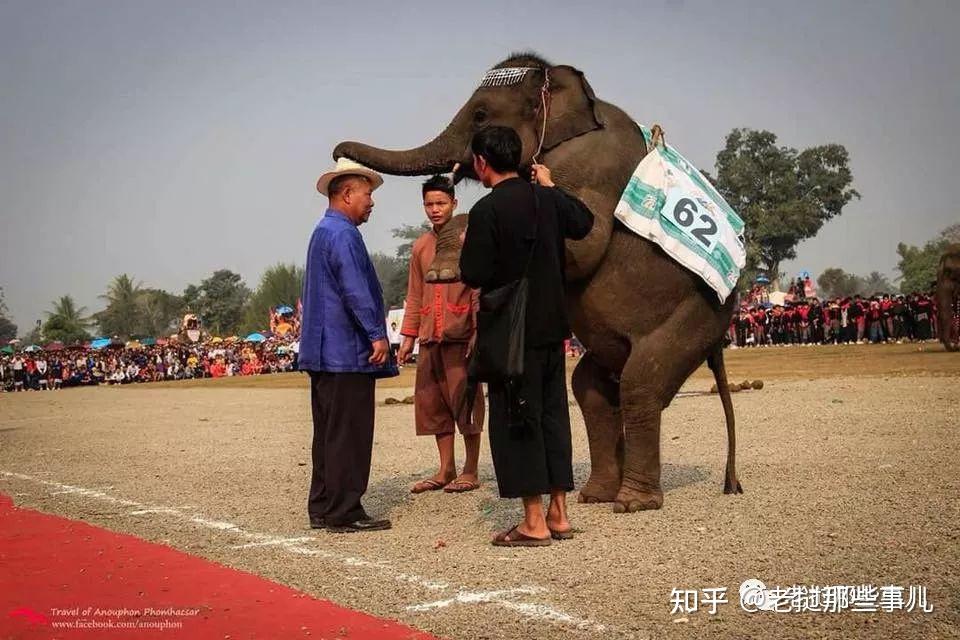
(169, 139)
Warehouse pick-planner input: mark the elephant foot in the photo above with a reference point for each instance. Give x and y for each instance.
(595, 492)
(442, 275)
(630, 500)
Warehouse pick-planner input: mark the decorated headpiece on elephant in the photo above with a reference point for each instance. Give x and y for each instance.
(646, 322)
(948, 298)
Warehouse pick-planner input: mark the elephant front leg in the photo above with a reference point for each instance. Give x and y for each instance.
(640, 485)
(446, 263)
(598, 395)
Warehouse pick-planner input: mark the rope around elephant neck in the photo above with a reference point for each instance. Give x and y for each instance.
(544, 94)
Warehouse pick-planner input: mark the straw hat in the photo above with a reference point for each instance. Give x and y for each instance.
(346, 166)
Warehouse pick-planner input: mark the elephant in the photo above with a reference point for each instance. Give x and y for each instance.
(948, 298)
(647, 323)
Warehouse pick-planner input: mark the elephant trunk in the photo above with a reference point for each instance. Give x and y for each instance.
(437, 156)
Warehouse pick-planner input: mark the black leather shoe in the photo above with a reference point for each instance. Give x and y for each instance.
(317, 523)
(367, 524)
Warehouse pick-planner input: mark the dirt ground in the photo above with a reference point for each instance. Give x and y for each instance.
(848, 459)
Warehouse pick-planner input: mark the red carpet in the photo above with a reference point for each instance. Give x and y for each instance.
(61, 578)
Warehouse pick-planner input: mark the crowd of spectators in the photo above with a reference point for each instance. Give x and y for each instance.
(804, 319)
(118, 365)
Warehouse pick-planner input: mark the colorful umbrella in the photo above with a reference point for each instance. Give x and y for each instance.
(32, 349)
(255, 337)
(284, 310)
(148, 342)
(6, 349)
(134, 344)
(56, 345)
(100, 343)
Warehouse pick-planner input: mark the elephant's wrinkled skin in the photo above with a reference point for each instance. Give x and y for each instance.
(948, 297)
(647, 322)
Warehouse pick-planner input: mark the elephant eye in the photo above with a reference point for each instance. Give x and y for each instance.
(479, 116)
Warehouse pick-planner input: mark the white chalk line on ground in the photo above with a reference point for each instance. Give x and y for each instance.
(504, 598)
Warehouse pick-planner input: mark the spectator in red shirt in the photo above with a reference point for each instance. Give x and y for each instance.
(886, 315)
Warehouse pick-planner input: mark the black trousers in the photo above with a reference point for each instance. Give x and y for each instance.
(531, 448)
(343, 405)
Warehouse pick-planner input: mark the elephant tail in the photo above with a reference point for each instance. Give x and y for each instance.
(715, 361)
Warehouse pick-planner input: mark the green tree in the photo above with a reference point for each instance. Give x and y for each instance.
(35, 336)
(281, 284)
(222, 301)
(784, 196)
(66, 323)
(8, 330)
(159, 313)
(191, 295)
(837, 283)
(392, 273)
(918, 265)
(876, 282)
(122, 315)
(409, 234)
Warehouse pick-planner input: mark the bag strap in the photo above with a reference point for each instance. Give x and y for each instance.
(536, 228)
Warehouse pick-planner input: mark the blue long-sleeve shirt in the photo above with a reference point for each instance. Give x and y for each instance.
(342, 302)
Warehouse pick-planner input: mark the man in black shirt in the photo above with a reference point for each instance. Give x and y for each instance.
(532, 455)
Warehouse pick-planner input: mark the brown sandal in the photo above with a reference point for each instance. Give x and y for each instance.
(426, 485)
(460, 485)
(516, 538)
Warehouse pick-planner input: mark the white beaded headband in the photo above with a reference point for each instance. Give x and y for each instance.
(505, 77)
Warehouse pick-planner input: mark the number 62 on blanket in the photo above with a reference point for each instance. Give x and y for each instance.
(692, 217)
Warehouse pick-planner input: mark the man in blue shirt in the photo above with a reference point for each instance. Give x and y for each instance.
(344, 348)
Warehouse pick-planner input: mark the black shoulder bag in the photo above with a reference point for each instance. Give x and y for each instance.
(501, 323)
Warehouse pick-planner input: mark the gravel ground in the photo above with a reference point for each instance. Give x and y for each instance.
(848, 481)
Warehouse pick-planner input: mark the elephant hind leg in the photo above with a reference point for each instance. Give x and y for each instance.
(640, 484)
(658, 364)
(731, 483)
(641, 395)
(597, 393)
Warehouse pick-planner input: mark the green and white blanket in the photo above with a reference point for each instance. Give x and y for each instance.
(669, 202)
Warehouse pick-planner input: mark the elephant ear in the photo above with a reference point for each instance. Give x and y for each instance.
(573, 106)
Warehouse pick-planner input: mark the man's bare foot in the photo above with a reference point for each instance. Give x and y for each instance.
(557, 520)
(534, 532)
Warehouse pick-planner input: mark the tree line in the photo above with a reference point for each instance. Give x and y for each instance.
(917, 267)
(223, 301)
